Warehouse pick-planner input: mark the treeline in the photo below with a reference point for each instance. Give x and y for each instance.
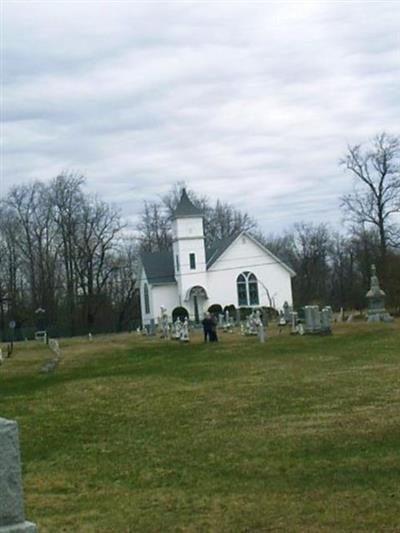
(64, 263)
(68, 263)
(335, 269)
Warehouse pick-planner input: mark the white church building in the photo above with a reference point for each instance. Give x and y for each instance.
(238, 271)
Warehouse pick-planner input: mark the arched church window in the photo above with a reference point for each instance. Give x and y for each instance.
(247, 289)
(146, 299)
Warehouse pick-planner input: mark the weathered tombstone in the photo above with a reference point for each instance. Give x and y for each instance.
(252, 323)
(286, 312)
(261, 332)
(90, 337)
(309, 319)
(326, 320)
(1, 357)
(41, 336)
(316, 318)
(350, 318)
(228, 326)
(312, 319)
(177, 326)
(238, 315)
(340, 317)
(54, 346)
(328, 308)
(184, 337)
(12, 516)
(376, 301)
(294, 320)
(164, 323)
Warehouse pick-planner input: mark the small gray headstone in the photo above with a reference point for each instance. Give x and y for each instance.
(12, 518)
(294, 319)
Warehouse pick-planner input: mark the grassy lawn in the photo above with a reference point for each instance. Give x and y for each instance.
(139, 434)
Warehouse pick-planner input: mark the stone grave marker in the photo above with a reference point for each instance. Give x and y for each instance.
(376, 301)
(326, 320)
(12, 516)
(294, 316)
(185, 331)
(286, 312)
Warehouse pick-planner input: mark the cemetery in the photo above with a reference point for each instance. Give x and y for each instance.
(278, 426)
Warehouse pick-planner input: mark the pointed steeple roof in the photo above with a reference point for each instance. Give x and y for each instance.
(185, 207)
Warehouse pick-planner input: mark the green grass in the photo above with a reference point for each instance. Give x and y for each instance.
(139, 434)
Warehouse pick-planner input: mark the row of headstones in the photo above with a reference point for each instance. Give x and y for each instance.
(315, 321)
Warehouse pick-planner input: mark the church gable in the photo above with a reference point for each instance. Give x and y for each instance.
(245, 249)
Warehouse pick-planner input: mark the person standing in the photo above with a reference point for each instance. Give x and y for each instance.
(207, 327)
(213, 333)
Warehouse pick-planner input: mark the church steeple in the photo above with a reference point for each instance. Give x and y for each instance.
(186, 208)
(188, 248)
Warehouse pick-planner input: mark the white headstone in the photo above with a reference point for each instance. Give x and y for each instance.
(185, 331)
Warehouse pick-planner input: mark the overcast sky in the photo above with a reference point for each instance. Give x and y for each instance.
(250, 102)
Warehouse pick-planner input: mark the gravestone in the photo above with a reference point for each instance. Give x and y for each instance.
(1, 357)
(294, 320)
(316, 322)
(328, 308)
(41, 336)
(312, 324)
(228, 326)
(176, 329)
(252, 323)
(376, 301)
(164, 323)
(12, 516)
(261, 332)
(286, 312)
(184, 337)
(326, 315)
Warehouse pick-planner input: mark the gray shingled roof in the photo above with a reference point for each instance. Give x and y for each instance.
(218, 248)
(185, 208)
(159, 266)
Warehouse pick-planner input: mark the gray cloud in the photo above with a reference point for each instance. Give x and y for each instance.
(253, 103)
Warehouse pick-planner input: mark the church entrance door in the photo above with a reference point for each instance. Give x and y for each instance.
(197, 296)
(196, 309)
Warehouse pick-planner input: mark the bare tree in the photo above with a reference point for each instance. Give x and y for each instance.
(95, 241)
(376, 195)
(220, 220)
(68, 199)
